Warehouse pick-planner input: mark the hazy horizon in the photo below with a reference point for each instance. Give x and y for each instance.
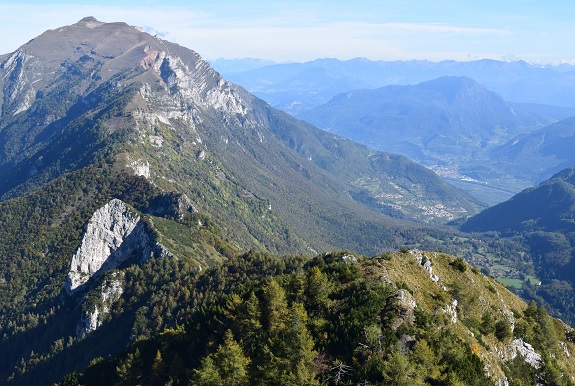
(306, 30)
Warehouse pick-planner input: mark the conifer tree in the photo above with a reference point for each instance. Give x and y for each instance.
(275, 308)
(207, 374)
(231, 362)
(158, 368)
(249, 320)
(398, 371)
(226, 367)
(300, 348)
(317, 288)
(130, 368)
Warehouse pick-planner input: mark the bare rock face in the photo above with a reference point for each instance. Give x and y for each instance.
(451, 311)
(113, 235)
(528, 353)
(110, 291)
(405, 306)
(524, 349)
(425, 263)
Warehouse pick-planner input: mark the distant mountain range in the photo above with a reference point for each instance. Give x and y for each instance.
(226, 66)
(541, 153)
(455, 139)
(294, 87)
(550, 206)
(451, 124)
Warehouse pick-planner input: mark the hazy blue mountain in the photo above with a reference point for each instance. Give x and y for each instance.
(283, 86)
(231, 66)
(541, 153)
(450, 124)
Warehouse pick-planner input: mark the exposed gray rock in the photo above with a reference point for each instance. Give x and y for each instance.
(110, 292)
(451, 310)
(405, 305)
(516, 347)
(502, 382)
(385, 279)
(527, 352)
(89, 322)
(140, 168)
(511, 318)
(565, 349)
(425, 263)
(348, 259)
(406, 343)
(113, 235)
(19, 94)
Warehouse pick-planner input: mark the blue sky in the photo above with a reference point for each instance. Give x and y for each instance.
(533, 30)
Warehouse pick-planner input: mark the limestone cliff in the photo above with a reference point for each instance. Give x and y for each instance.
(114, 234)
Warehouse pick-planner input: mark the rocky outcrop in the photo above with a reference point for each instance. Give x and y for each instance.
(114, 234)
(348, 259)
(404, 309)
(140, 168)
(18, 92)
(425, 263)
(512, 349)
(109, 292)
(451, 311)
(527, 352)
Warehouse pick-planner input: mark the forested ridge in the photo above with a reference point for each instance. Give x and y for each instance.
(338, 319)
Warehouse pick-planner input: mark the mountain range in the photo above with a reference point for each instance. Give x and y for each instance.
(453, 125)
(287, 86)
(148, 206)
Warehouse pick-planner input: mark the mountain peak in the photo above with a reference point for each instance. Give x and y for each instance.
(89, 21)
(455, 87)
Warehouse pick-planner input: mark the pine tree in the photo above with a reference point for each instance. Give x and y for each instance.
(317, 288)
(226, 367)
(398, 371)
(548, 336)
(531, 310)
(207, 374)
(300, 348)
(158, 368)
(130, 368)
(231, 362)
(275, 308)
(426, 362)
(249, 320)
(503, 330)
(487, 324)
